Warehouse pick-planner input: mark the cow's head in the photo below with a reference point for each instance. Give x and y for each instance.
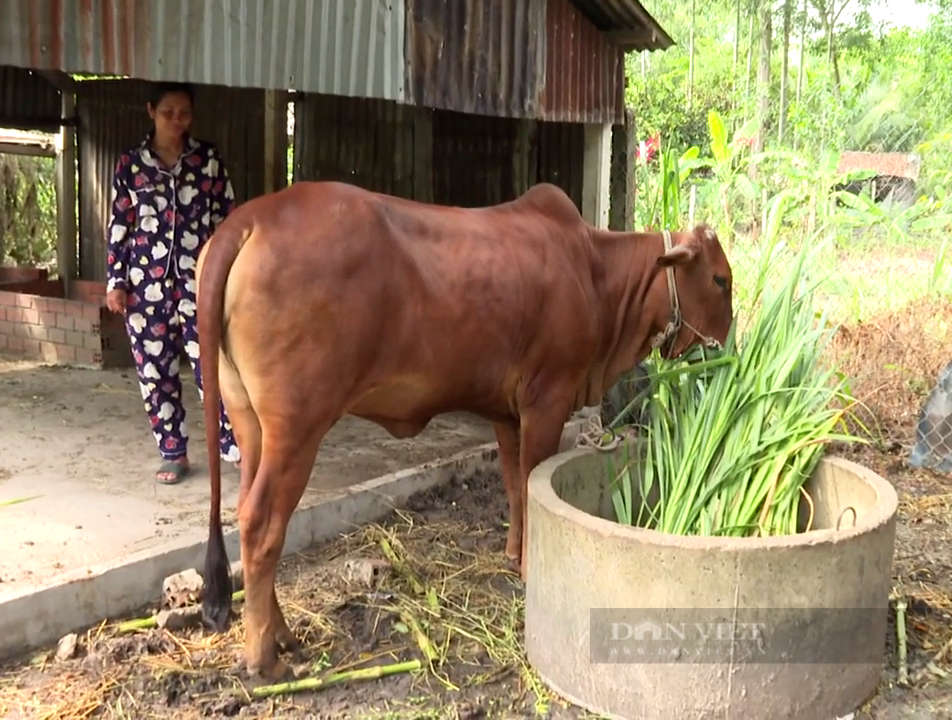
(704, 289)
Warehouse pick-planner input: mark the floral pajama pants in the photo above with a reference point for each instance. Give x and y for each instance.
(160, 322)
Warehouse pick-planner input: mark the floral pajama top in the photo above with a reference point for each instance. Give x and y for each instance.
(160, 218)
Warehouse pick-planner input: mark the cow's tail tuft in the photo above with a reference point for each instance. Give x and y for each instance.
(220, 254)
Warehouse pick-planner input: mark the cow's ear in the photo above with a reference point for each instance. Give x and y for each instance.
(681, 254)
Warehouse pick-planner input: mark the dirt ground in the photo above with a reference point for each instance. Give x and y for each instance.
(451, 586)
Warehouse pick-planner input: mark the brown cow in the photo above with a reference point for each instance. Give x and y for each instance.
(325, 299)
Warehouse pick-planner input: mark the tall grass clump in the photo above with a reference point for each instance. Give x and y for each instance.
(728, 442)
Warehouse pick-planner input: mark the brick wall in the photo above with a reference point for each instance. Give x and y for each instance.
(38, 323)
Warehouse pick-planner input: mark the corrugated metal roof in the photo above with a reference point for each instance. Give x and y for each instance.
(627, 23)
(889, 163)
(475, 56)
(341, 47)
(584, 74)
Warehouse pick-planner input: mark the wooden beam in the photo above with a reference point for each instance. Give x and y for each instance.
(27, 149)
(66, 235)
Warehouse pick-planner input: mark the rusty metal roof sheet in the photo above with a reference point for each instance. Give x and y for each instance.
(627, 24)
(894, 164)
(341, 47)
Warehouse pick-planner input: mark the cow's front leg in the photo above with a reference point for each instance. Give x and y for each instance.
(541, 432)
(507, 435)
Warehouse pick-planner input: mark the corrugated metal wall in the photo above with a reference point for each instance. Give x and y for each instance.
(561, 157)
(584, 74)
(476, 56)
(344, 47)
(451, 158)
(113, 117)
(473, 159)
(376, 144)
(28, 101)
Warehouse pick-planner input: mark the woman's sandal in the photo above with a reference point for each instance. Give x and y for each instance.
(172, 468)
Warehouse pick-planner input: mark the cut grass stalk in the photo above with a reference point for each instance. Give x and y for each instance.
(147, 623)
(319, 683)
(732, 439)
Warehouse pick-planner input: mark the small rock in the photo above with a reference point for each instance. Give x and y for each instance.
(66, 648)
(179, 618)
(364, 571)
(182, 589)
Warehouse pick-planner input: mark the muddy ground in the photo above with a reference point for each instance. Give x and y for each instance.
(449, 543)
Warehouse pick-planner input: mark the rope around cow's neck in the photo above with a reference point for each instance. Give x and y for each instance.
(606, 439)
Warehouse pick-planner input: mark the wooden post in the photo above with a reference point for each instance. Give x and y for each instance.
(422, 152)
(524, 156)
(67, 248)
(622, 212)
(596, 173)
(275, 140)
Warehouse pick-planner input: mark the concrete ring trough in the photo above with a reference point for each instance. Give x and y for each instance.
(633, 623)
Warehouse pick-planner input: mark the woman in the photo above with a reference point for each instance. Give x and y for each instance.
(168, 195)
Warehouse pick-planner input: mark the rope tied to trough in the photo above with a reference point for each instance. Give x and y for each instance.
(597, 436)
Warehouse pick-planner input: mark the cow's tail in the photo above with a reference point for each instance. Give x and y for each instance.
(220, 254)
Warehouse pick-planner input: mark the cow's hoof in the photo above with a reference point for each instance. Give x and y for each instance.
(278, 672)
(287, 641)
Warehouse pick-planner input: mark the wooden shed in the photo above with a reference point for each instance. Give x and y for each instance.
(462, 102)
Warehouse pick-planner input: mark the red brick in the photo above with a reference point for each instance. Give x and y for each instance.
(4, 340)
(8, 299)
(36, 332)
(83, 325)
(6, 328)
(73, 309)
(21, 330)
(15, 343)
(22, 274)
(24, 301)
(55, 305)
(91, 311)
(64, 321)
(29, 315)
(56, 336)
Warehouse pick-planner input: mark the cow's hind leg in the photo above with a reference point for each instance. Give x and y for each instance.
(248, 436)
(507, 435)
(263, 518)
(247, 430)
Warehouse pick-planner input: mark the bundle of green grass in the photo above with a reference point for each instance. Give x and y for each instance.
(730, 436)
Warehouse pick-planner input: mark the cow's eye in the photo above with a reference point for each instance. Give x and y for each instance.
(721, 282)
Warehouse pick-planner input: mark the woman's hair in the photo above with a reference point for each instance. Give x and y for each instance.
(161, 89)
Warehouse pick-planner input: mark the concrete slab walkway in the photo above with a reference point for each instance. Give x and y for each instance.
(80, 441)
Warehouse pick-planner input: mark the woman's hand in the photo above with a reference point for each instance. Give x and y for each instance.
(116, 301)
